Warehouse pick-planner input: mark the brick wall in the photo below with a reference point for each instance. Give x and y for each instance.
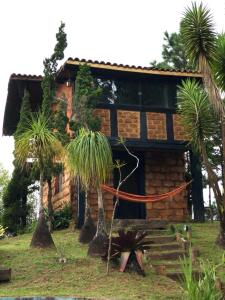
(67, 92)
(178, 129)
(62, 197)
(107, 200)
(156, 126)
(104, 115)
(164, 171)
(128, 124)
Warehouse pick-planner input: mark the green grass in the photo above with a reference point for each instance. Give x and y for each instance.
(37, 272)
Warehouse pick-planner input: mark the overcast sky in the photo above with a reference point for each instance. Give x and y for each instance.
(122, 31)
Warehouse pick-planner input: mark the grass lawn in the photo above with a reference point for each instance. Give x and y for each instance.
(37, 272)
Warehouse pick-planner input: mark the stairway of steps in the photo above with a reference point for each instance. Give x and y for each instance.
(165, 252)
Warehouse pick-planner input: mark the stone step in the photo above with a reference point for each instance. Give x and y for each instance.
(167, 265)
(154, 231)
(162, 239)
(145, 224)
(178, 275)
(171, 255)
(166, 246)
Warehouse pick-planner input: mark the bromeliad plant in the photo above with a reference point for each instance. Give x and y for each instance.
(128, 247)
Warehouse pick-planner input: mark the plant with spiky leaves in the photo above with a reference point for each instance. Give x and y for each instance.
(128, 247)
(89, 157)
(200, 123)
(199, 38)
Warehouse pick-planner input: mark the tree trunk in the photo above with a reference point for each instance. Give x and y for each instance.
(50, 206)
(88, 229)
(24, 208)
(97, 245)
(218, 196)
(197, 194)
(42, 237)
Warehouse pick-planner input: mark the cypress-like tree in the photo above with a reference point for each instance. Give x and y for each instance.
(58, 120)
(84, 100)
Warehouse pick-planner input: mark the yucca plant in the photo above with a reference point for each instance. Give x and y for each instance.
(128, 248)
(200, 123)
(89, 157)
(206, 52)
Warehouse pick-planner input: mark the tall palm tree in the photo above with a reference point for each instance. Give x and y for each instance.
(90, 159)
(38, 144)
(199, 38)
(200, 122)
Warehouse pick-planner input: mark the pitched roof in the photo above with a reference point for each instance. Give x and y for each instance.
(129, 68)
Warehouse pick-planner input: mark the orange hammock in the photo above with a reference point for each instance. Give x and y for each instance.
(139, 198)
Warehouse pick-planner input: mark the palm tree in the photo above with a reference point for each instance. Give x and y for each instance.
(90, 159)
(199, 39)
(39, 144)
(201, 123)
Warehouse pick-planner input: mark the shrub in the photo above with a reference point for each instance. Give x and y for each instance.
(62, 218)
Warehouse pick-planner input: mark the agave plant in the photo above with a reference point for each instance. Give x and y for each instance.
(128, 248)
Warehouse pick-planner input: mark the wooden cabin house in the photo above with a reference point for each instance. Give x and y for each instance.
(138, 104)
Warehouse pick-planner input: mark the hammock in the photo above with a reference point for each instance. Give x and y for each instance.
(144, 199)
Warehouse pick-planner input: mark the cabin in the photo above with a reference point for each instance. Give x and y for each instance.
(139, 105)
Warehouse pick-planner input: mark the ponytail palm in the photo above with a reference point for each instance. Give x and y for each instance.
(38, 144)
(90, 159)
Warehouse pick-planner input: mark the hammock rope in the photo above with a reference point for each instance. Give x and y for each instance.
(144, 199)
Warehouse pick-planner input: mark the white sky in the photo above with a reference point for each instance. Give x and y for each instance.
(122, 31)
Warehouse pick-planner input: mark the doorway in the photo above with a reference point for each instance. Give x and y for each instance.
(135, 184)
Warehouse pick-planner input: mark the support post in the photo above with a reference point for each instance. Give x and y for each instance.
(197, 188)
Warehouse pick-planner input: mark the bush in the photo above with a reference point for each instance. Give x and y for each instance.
(62, 218)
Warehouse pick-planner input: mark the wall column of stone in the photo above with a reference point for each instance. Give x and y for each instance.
(164, 171)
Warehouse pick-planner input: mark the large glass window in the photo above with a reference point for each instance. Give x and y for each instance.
(158, 93)
(148, 92)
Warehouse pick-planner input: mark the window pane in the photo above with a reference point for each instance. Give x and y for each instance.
(158, 93)
(127, 91)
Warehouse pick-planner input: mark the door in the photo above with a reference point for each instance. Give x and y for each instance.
(134, 185)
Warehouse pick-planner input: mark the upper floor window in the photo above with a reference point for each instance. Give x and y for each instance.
(148, 92)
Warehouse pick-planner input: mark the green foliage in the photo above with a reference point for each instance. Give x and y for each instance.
(2, 231)
(219, 61)
(198, 34)
(89, 156)
(4, 180)
(15, 209)
(50, 68)
(196, 113)
(62, 218)
(37, 143)
(25, 112)
(60, 120)
(173, 53)
(85, 98)
(205, 286)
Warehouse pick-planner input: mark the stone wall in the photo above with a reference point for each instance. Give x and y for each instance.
(164, 171)
(128, 124)
(104, 115)
(61, 196)
(156, 125)
(178, 129)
